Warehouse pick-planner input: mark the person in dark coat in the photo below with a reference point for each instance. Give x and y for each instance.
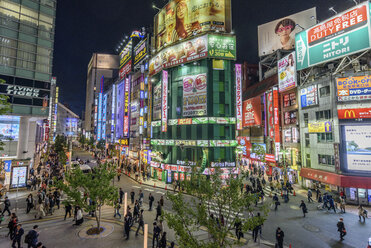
(163, 241)
(303, 208)
(33, 237)
(18, 233)
(341, 229)
(279, 237)
(158, 210)
(151, 200)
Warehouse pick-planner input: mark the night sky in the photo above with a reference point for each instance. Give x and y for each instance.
(87, 26)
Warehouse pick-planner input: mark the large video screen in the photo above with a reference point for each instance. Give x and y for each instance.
(358, 147)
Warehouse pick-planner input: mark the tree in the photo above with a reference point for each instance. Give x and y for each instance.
(4, 109)
(82, 139)
(95, 185)
(211, 196)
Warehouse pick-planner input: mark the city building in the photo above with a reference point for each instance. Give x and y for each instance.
(102, 69)
(67, 121)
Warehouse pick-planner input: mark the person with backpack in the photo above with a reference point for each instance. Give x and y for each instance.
(32, 237)
(276, 202)
(6, 206)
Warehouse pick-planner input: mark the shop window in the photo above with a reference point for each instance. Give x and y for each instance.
(323, 115)
(326, 159)
(324, 137)
(306, 119)
(289, 100)
(307, 160)
(290, 117)
(307, 140)
(324, 91)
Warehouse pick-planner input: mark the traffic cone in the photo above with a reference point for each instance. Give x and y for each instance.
(165, 187)
(154, 185)
(140, 182)
(281, 193)
(294, 193)
(129, 174)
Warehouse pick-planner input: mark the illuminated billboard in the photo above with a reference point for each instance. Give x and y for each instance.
(309, 96)
(195, 95)
(180, 19)
(287, 72)
(252, 112)
(358, 147)
(354, 88)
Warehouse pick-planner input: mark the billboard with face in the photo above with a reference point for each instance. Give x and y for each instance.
(181, 19)
(194, 95)
(287, 73)
(280, 34)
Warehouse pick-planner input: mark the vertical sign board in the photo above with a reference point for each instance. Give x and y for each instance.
(100, 108)
(345, 34)
(238, 96)
(113, 119)
(287, 72)
(164, 101)
(277, 139)
(126, 106)
(270, 116)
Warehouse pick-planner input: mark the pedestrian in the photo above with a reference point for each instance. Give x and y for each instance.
(132, 195)
(79, 217)
(18, 236)
(12, 224)
(151, 200)
(303, 208)
(121, 193)
(40, 210)
(118, 175)
(67, 208)
(117, 210)
(141, 196)
(136, 211)
(361, 214)
(127, 225)
(32, 237)
(163, 241)
(341, 229)
(256, 230)
(6, 206)
(141, 222)
(342, 204)
(276, 202)
(238, 228)
(158, 210)
(279, 237)
(161, 226)
(156, 234)
(29, 202)
(162, 201)
(309, 194)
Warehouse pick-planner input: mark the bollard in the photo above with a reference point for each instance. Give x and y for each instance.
(294, 193)
(165, 187)
(154, 185)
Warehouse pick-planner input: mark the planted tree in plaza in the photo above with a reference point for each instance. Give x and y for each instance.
(4, 109)
(216, 206)
(95, 186)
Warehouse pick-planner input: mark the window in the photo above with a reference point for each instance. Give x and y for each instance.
(289, 100)
(26, 47)
(324, 91)
(7, 61)
(9, 52)
(46, 18)
(306, 119)
(326, 159)
(324, 137)
(307, 160)
(307, 140)
(323, 115)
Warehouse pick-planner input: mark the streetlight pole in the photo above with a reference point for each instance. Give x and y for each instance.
(16, 196)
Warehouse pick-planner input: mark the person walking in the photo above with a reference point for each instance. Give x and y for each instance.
(151, 200)
(6, 206)
(141, 222)
(162, 201)
(279, 237)
(79, 217)
(341, 229)
(276, 202)
(163, 241)
(40, 210)
(361, 214)
(29, 202)
(238, 227)
(342, 205)
(141, 196)
(121, 193)
(256, 229)
(32, 237)
(309, 194)
(127, 225)
(68, 209)
(117, 210)
(132, 195)
(18, 236)
(303, 208)
(158, 210)
(156, 234)
(12, 224)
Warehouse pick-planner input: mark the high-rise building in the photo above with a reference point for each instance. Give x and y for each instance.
(26, 58)
(102, 69)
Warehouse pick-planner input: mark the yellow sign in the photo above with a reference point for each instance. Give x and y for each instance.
(320, 127)
(124, 142)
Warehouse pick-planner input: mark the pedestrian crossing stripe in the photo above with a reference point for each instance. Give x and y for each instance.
(150, 190)
(159, 192)
(137, 187)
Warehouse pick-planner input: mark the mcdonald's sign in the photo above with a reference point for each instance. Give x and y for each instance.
(346, 114)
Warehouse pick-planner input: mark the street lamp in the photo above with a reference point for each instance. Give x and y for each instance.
(333, 10)
(155, 7)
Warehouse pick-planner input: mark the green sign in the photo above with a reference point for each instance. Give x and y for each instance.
(222, 47)
(345, 34)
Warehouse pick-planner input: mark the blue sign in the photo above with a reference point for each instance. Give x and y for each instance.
(328, 126)
(8, 165)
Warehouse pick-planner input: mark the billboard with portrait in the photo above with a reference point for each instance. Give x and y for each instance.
(354, 88)
(157, 101)
(180, 19)
(287, 72)
(280, 34)
(195, 95)
(358, 147)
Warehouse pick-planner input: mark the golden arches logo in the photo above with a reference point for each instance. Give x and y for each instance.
(350, 114)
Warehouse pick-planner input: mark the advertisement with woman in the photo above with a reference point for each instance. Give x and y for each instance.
(287, 73)
(180, 19)
(280, 34)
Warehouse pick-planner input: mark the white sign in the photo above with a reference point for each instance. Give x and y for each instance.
(287, 72)
(280, 34)
(19, 177)
(22, 91)
(195, 95)
(238, 96)
(164, 100)
(358, 148)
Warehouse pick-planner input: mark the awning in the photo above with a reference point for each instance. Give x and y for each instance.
(261, 87)
(336, 179)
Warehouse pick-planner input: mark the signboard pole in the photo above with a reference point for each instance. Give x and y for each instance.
(16, 196)
(145, 234)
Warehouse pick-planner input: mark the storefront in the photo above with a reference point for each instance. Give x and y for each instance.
(357, 189)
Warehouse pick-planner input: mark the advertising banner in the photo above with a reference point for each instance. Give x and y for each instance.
(222, 47)
(252, 112)
(320, 127)
(180, 19)
(164, 101)
(277, 133)
(354, 88)
(239, 116)
(280, 34)
(157, 102)
(358, 150)
(140, 51)
(19, 177)
(126, 107)
(287, 73)
(195, 95)
(309, 96)
(125, 54)
(270, 116)
(344, 34)
(362, 113)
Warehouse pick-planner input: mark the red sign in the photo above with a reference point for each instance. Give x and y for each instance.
(276, 116)
(270, 117)
(270, 158)
(338, 25)
(252, 112)
(125, 70)
(185, 121)
(345, 114)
